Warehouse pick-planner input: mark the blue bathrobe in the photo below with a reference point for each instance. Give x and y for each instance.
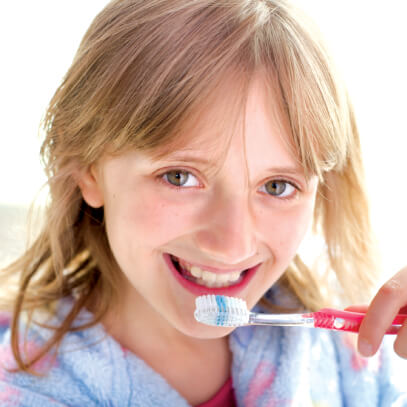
(279, 366)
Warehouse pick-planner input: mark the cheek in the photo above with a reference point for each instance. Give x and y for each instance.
(147, 219)
(160, 219)
(285, 231)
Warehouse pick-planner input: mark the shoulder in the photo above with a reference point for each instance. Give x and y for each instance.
(13, 391)
(90, 369)
(81, 372)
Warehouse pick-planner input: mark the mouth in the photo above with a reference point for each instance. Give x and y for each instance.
(201, 281)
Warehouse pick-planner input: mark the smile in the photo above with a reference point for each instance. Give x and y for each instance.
(200, 280)
(206, 277)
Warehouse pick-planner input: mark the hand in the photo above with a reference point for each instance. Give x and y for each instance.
(390, 300)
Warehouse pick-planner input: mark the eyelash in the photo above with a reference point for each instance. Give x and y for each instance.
(293, 195)
(161, 179)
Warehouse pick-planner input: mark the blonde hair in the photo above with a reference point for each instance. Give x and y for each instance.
(142, 69)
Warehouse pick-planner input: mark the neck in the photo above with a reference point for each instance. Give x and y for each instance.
(177, 357)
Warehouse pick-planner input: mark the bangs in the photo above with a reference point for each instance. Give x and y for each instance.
(313, 96)
(296, 67)
(166, 72)
(209, 123)
(319, 134)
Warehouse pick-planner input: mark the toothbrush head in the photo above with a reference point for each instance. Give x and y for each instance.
(220, 310)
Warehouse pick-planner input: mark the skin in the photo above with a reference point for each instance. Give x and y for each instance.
(225, 219)
(388, 302)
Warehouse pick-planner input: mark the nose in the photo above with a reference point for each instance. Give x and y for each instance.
(227, 234)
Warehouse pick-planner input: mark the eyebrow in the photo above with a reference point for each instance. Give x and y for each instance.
(205, 161)
(287, 170)
(297, 171)
(187, 158)
(209, 166)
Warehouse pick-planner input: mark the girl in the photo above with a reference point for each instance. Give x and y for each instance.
(189, 149)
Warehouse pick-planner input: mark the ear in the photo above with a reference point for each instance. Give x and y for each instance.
(89, 182)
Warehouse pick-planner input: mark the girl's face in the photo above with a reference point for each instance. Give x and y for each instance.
(178, 229)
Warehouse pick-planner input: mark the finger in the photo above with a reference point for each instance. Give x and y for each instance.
(400, 344)
(357, 308)
(381, 312)
(363, 309)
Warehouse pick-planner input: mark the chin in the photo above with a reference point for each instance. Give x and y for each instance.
(213, 333)
(202, 331)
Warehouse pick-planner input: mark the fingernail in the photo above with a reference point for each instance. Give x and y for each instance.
(365, 348)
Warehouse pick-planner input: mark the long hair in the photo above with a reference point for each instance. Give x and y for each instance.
(142, 70)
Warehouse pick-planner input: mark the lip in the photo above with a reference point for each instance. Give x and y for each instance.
(200, 290)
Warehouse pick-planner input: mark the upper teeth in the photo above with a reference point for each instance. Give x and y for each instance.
(210, 277)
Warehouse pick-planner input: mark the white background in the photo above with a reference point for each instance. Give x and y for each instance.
(368, 39)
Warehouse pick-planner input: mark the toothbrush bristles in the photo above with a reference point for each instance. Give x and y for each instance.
(220, 310)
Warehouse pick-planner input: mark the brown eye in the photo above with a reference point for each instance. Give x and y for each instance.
(276, 187)
(280, 189)
(180, 178)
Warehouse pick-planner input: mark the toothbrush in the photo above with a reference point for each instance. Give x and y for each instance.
(220, 310)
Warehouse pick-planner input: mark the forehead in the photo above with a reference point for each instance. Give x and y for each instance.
(249, 114)
(266, 121)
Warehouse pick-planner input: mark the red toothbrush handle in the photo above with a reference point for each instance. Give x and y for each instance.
(349, 321)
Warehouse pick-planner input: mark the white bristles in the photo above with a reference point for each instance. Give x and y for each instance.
(220, 310)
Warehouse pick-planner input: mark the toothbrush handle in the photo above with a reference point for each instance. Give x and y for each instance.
(350, 321)
(281, 319)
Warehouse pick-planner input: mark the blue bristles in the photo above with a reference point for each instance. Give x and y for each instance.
(220, 310)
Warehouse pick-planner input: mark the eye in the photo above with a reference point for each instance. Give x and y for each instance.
(279, 189)
(180, 178)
